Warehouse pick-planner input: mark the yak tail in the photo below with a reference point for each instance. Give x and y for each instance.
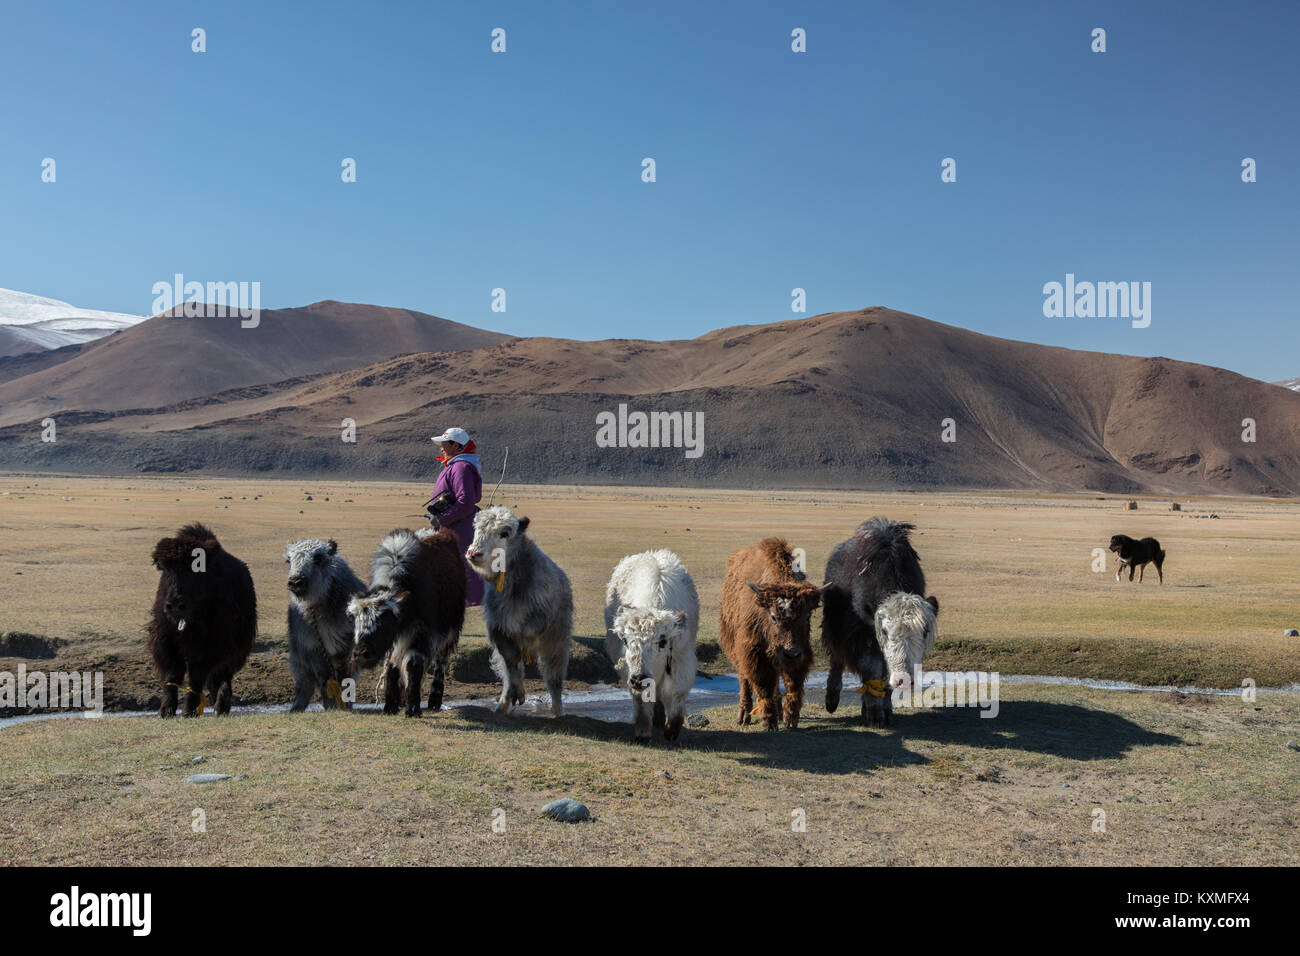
(1162, 556)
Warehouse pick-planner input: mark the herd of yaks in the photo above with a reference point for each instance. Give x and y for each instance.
(875, 621)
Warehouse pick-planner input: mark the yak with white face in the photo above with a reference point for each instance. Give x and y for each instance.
(652, 616)
(320, 585)
(527, 605)
(906, 629)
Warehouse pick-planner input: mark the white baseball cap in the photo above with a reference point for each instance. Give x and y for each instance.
(458, 435)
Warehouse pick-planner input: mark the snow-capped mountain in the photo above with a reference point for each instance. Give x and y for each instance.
(32, 323)
(1291, 383)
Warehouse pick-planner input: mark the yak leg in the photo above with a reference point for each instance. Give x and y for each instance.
(438, 677)
(674, 714)
(1131, 568)
(834, 680)
(642, 716)
(1142, 570)
(303, 690)
(553, 668)
(793, 701)
(194, 695)
(508, 665)
(875, 710)
(221, 693)
(765, 686)
(392, 688)
(413, 664)
(172, 667)
(746, 716)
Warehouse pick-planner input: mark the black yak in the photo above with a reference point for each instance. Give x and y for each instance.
(861, 572)
(204, 620)
(411, 615)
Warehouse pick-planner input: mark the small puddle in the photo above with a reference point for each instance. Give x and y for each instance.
(607, 702)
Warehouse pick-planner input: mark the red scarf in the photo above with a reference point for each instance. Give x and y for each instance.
(467, 450)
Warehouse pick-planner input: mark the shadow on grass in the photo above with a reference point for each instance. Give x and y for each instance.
(841, 744)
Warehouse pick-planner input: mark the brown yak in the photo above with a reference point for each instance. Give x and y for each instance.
(764, 628)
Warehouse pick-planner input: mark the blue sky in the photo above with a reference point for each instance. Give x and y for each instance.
(775, 170)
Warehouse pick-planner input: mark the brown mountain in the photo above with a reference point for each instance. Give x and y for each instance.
(169, 358)
(850, 399)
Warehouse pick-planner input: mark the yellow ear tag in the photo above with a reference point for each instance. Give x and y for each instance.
(528, 656)
(334, 691)
(203, 703)
(501, 581)
(876, 688)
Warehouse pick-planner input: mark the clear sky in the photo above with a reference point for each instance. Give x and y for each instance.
(775, 170)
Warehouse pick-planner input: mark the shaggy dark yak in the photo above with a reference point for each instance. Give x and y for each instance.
(861, 572)
(765, 627)
(204, 620)
(1137, 554)
(411, 615)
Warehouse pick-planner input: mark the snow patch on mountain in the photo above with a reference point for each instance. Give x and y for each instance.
(51, 324)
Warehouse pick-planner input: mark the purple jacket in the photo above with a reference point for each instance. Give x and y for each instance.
(462, 479)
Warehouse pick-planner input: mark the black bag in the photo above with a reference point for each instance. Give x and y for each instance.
(440, 503)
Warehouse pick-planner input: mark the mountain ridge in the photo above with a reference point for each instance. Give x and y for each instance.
(848, 399)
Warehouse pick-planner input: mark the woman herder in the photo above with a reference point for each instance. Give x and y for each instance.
(455, 499)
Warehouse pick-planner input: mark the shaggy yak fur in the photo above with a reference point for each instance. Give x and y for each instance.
(411, 615)
(652, 615)
(906, 631)
(861, 572)
(320, 632)
(204, 620)
(527, 605)
(764, 629)
(1137, 554)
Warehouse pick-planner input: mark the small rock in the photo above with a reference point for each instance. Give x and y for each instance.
(1291, 632)
(566, 810)
(664, 773)
(697, 720)
(1065, 786)
(207, 777)
(197, 760)
(1293, 745)
(308, 498)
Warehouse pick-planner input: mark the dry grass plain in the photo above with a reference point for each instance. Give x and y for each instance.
(1181, 779)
